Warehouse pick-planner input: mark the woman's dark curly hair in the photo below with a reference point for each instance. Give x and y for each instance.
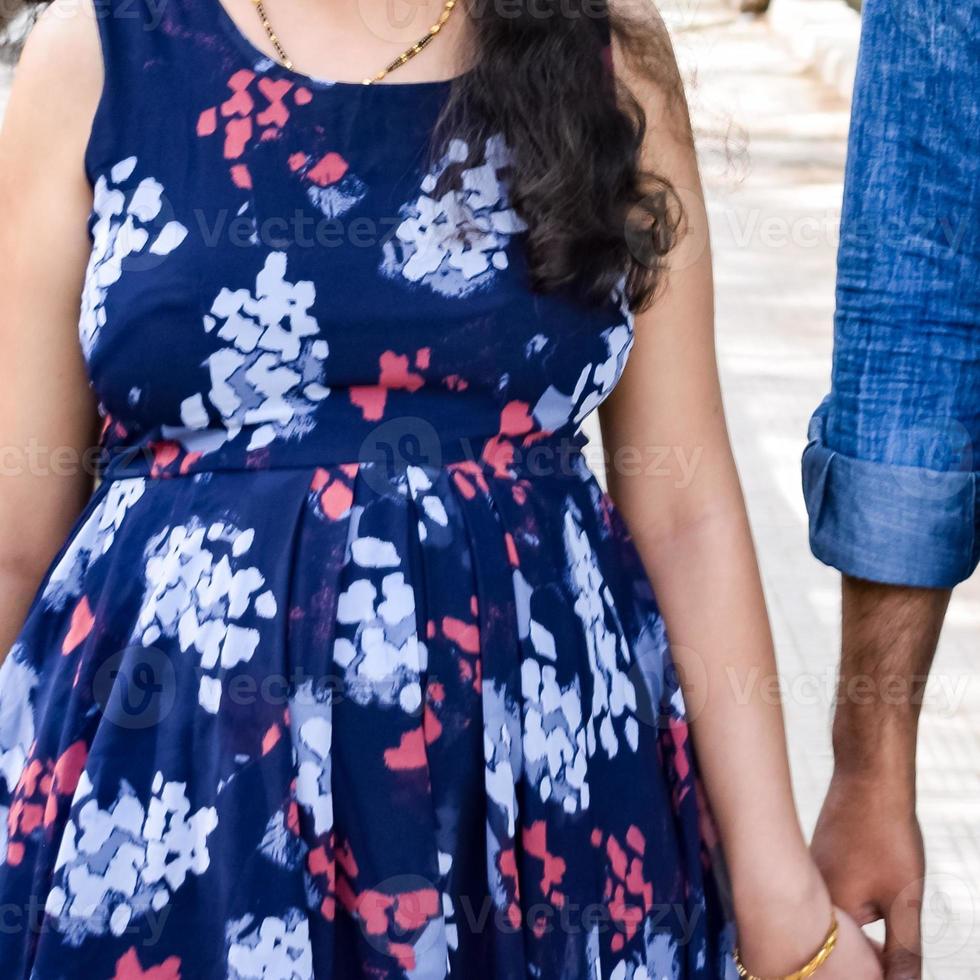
(542, 78)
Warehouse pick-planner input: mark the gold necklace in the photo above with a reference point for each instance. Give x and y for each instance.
(403, 59)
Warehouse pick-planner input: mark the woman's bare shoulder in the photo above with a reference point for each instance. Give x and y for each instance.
(66, 29)
(58, 79)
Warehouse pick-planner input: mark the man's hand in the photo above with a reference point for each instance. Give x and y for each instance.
(868, 846)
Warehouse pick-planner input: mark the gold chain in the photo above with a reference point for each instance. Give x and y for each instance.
(403, 59)
(823, 954)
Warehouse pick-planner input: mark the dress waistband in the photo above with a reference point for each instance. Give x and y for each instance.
(394, 446)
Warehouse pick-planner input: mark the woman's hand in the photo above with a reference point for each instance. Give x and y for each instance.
(855, 957)
(780, 932)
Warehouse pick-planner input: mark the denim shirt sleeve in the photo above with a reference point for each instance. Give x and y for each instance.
(890, 473)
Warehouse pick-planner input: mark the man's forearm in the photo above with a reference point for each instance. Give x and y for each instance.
(890, 635)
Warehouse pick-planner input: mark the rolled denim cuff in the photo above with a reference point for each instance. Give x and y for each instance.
(899, 525)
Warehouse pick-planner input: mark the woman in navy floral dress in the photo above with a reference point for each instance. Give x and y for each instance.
(349, 668)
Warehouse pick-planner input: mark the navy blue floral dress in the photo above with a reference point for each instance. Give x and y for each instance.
(349, 668)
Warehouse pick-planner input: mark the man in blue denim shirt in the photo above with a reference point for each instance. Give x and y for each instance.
(891, 471)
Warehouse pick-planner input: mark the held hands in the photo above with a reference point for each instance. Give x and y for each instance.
(870, 861)
(868, 846)
(853, 956)
(777, 941)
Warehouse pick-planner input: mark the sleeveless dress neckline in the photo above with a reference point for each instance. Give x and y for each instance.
(255, 54)
(349, 668)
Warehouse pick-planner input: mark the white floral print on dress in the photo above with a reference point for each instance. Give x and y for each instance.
(18, 681)
(270, 376)
(128, 220)
(200, 590)
(661, 959)
(384, 659)
(502, 750)
(503, 763)
(555, 408)
(92, 541)
(456, 242)
(613, 693)
(554, 736)
(555, 752)
(115, 866)
(379, 649)
(310, 717)
(431, 507)
(275, 949)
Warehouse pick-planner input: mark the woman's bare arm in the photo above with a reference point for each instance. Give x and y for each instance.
(47, 411)
(688, 519)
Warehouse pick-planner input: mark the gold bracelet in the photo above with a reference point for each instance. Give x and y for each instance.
(823, 954)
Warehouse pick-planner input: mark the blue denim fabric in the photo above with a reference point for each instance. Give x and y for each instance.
(891, 470)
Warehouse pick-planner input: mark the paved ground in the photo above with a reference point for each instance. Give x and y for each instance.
(771, 138)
